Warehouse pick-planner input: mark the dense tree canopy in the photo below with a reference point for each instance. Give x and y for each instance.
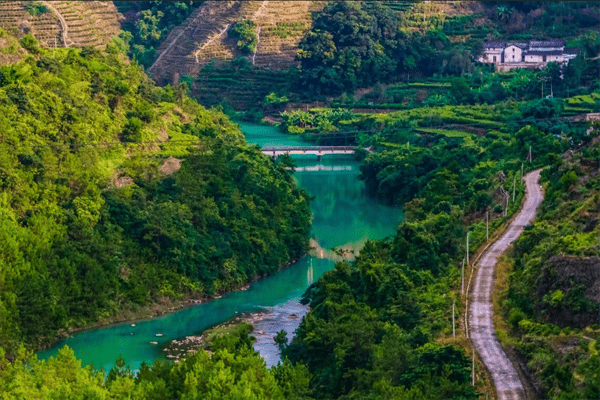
(357, 44)
(232, 371)
(96, 214)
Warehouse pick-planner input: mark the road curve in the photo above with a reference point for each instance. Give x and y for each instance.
(481, 325)
(63, 22)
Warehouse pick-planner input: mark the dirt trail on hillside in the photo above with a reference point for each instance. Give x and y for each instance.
(63, 22)
(481, 326)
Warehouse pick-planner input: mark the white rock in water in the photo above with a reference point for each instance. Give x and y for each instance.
(153, 342)
(132, 324)
(159, 334)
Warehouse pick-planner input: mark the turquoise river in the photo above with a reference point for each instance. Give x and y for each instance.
(343, 217)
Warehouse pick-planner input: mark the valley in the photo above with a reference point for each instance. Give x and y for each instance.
(319, 199)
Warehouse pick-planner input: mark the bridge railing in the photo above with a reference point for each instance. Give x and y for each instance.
(310, 148)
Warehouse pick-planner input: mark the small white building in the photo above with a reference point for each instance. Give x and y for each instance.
(533, 54)
(514, 52)
(493, 52)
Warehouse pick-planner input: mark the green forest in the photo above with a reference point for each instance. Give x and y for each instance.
(117, 195)
(97, 217)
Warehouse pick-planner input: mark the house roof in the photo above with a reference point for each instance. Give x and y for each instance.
(547, 43)
(519, 44)
(571, 50)
(544, 53)
(495, 44)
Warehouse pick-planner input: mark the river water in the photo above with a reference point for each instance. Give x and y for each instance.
(343, 217)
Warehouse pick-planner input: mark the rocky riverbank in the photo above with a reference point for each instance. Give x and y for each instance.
(177, 349)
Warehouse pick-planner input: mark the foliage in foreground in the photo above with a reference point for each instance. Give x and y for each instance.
(233, 370)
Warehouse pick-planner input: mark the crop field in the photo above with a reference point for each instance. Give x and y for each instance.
(62, 23)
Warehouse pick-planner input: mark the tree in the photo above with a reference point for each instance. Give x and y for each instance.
(245, 34)
(281, 340)
(461, 91)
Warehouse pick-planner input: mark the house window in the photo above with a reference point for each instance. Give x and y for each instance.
(494, 58)
(544, 58)
(513, 56)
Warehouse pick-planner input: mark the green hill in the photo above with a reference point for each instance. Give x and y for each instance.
(116, 194)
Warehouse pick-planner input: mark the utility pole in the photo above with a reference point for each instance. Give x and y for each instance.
(473, 372)
(530, 158)
(462, 279)
(514, 187)
(467, 248)
(487, 226)
(522, 171)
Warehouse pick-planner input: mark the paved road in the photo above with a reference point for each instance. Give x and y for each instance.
(481, 326)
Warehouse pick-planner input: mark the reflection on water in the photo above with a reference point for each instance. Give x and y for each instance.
(344, 217)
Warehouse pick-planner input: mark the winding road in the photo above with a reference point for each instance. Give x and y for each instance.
(63, 22)
(481, 325)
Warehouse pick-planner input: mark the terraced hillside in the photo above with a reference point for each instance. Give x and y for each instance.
(241, 89)
(64, 23)
(204, 36)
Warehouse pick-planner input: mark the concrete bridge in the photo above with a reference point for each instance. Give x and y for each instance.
(311, 150)
(324, 168)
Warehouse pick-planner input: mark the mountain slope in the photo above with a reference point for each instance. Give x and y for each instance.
(62, 23)
(204, 36)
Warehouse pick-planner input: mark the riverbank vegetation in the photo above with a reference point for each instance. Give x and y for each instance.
(449, 166)
(231, 370)
(115, 193)
(374, 326)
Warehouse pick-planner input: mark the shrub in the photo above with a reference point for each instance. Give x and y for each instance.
(516, 316)
(132, 132)
(245, 33)
(35, 8)
(30, 43)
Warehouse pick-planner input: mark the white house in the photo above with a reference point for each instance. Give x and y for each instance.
(514, 52)
(493, 52)
(533, 54)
